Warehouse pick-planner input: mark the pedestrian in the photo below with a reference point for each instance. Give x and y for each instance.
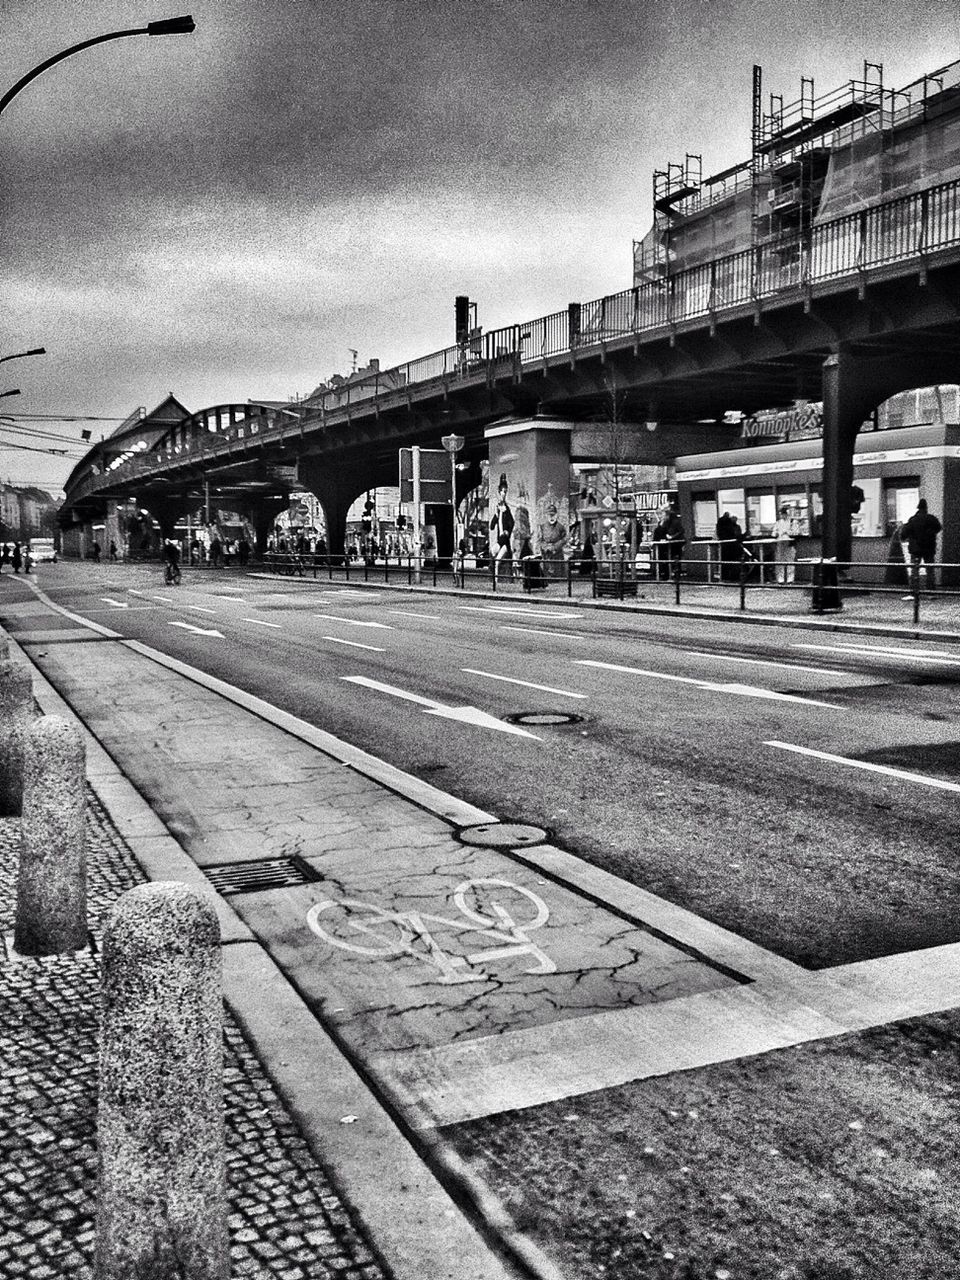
(730, 537)
(920, 533)
(16, 558)
(216, 552)
(96, 551)
(786, 549)
(113, 550)
(4, 556)
(669, 532)
(243, 550)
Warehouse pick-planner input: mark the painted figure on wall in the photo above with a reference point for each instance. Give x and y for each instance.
(501, 528)
(553, 519)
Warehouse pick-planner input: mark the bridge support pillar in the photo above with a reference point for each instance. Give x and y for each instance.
(530, 478)
(849, 394)
(336, 489)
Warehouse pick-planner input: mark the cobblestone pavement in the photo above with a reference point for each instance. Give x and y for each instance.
(286, 1220)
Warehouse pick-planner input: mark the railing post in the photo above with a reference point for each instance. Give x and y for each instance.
(676, 574)
(915, 591)
(743, 579)
(620, 581)
(570, 578)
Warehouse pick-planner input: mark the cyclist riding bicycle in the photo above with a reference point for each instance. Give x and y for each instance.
(171, 561)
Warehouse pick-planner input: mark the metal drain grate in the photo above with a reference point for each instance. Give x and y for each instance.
(545, 717)
(260, 875)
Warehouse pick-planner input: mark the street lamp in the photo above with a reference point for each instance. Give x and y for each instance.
(35, 351)
(453, 444)
(165, 27)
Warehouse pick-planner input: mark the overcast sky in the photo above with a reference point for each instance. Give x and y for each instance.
(225, 215)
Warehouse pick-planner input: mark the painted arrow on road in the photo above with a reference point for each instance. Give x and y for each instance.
(466, 715)
(197, 631)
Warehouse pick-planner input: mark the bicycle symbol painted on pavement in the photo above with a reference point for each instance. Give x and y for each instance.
(367, 929)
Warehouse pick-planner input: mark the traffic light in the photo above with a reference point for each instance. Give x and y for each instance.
(462, 311)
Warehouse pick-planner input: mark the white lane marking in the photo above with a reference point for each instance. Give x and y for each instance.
(745, 690)
(355, 644)
(540, 631)
(238, 589)
(164, 599)
(353, 622)
(902, 774)
(200, 609)
(544, 688)
(466, 715)
(232, 599)
(197, 631)
(523, 610)
(769, 662)
(116, 604)
(260, 623)
(878, 651)
(408, 613)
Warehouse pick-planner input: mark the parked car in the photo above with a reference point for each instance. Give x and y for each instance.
(42, 549)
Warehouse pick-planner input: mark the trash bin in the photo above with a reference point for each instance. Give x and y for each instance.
(826, 588)
(533, 579)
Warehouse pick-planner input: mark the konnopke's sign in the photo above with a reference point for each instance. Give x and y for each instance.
(802, 422)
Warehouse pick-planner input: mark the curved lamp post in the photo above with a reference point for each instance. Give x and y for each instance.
(35, 351)
(453, 444)
(165, 27)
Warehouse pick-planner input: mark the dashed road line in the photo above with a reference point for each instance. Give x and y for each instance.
(903, 774)
(879, 651)
(354, 622)
(355, 644)
(544, 688)
(200, 609)
(770, 662)
(260, 623)
(540, 631)
(408, 613)
(744, 690)
(523, 610)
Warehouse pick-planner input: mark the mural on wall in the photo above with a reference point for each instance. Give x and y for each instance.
(553, 524)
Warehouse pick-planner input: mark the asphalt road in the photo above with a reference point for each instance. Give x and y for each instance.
(694, 770)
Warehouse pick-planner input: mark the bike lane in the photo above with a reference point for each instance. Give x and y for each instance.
(402, 937)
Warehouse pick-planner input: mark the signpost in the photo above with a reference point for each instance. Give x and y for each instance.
(424, 478)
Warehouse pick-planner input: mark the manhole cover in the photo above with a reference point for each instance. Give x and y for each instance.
(503, 835)
(544, 717)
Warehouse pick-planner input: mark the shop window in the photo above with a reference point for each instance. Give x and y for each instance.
(797, 503)
(761, 514)
(900, 498)
(734, 502)
(869, 521)
(704, 515)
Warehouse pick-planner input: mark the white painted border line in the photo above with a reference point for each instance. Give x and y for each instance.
(770, 662)
(408, 613)
(355, 644)
(260, 623)
(544, 688)
(902, 774)
(200, 608)
(525, 611)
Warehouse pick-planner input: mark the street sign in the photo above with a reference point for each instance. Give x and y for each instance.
(434, 475)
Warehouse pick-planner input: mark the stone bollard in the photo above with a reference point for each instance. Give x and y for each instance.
(161, 1197)
(52, 878)
(16, 715)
